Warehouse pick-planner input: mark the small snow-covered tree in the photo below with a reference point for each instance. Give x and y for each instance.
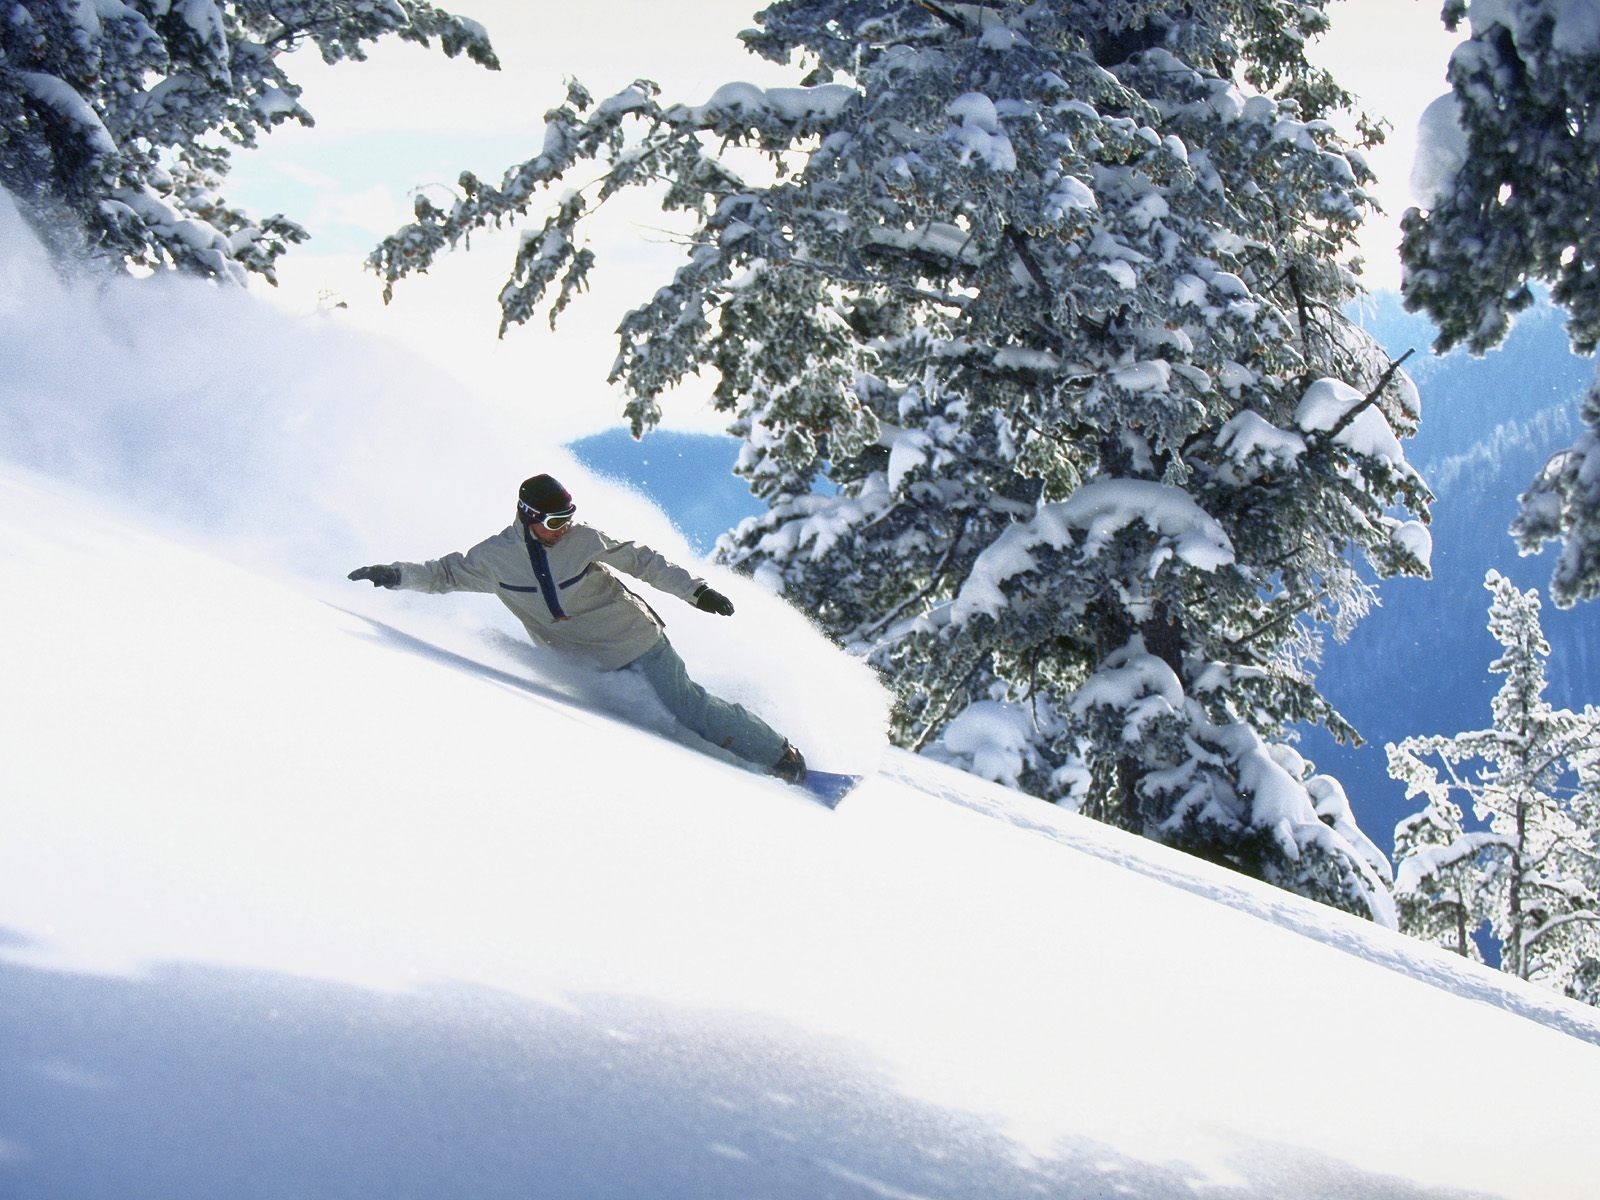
(1583, 980)
(1435, 891)
(1510, 168)
(117, 117)
(1030, 316)
(1530, 876)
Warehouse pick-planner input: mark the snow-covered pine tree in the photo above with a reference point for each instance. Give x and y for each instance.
(1583, 981)
(117, 117)
(1510, 169)
(1435, 888)
(1031, 320)
(1529, 876)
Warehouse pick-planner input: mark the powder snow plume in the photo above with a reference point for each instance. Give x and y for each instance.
(292, 445)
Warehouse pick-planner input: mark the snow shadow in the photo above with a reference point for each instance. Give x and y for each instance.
(202, 1081)
(410, 643)
(621, 695)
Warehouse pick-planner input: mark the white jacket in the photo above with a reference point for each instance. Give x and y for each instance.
(563, 594)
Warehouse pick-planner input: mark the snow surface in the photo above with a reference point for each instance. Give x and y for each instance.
(1327, 401)
(63, 99)
(1575, 24)
(747, 101)
(299, 900)
(1573, 28)
(1098, 511)
(1415, 538)
(311, 890)
(1248, 435)
(1441, 150)
(978, 134)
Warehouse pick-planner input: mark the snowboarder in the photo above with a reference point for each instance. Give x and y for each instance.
(550, 571)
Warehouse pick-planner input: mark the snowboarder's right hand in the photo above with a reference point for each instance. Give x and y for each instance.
(384, 577)
(708, 599)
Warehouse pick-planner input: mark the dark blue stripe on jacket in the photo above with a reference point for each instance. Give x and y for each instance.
(541, 571)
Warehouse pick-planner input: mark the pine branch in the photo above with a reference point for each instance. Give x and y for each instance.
(844, 274)
(1019, 243)
(1272, 622)
(937, 722)
(933, 582)
(1556, 923)
(949, 18)
(1371, 398)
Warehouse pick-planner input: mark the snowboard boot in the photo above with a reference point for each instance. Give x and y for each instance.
(791, 765)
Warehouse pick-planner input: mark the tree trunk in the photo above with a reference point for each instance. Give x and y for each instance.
(1516, 963)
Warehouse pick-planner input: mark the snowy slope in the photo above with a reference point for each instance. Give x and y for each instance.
(308, 892)
(312, 891)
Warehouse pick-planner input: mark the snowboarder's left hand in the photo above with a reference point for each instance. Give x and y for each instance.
(708, 599)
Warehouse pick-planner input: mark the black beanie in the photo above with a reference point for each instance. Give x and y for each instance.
(544, 495)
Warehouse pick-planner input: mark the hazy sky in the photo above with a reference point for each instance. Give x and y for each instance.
(411, 118)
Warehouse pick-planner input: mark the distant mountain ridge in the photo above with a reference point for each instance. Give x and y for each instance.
(1516, 439)
(1420, 662)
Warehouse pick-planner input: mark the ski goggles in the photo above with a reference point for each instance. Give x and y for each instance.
(551, 521)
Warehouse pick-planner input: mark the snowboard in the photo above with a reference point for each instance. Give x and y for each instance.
(829, 787)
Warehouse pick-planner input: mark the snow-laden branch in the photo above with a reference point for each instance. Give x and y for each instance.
(1531, 939)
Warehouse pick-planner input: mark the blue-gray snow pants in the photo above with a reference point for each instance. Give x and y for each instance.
(721, 723)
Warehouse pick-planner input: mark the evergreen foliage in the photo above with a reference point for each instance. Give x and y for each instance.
(1532, 876)
(1030, 316)
(1514, 175)
(118, 117)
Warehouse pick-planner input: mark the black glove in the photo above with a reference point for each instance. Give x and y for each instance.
(708, 599)
(384, 577)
